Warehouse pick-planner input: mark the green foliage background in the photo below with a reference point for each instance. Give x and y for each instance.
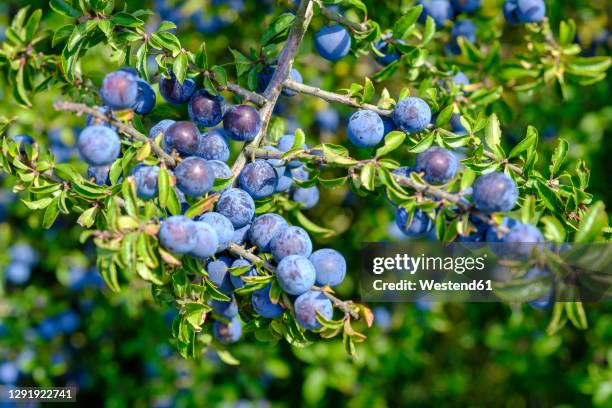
(442, 355)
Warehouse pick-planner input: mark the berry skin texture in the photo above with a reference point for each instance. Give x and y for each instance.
(146, 181)
(466, 6)
(99, 145)
(329, 265)
(263, 305)
(440, 10)
(220, 171)
(99, 174)
(237, 281)
(225, 309)
(237, 205)
(439, 165)
(214, 146)
(222, 226)
(194, 176)
(412, 114)
(219, 275)
(419, 225)
(145, 100)
(333, 42)
(173, 91)
(184, 137)
(259, 179)
(206, 109)
(160, 128)
(178, 234)
(119, 90)
(306, 307)
(227, 333)
(207, 241)
(290, 241)
(365, 128)
(495, 192)
(283, 176)
(295, 274)
(264, 228)
(524, 11)
(306, 197)
(242, 123)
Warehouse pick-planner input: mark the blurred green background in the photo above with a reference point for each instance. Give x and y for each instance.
(63, 326)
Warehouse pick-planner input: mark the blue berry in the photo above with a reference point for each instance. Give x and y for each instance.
(307, 197)
(295, 274)
(494, 192)
(237, 205)
(365, 128)
(237, 281)
(306, 307)
(329, 265)
(94, 120)
(328, 119)
(290, 241)
(300, 174)
(119, 90)
(466, 6)
(160, 128)
(225, 309)
(263, 305)
(173, 91)
(285, 144)
(99, 145)
(184, 137)
(524, 11)
(412, 114)
(438, 164)
(465, 29)
(227, 332)
(382, 318)
(206, 109)
(476, 236)
(520, 237)
(419, 225)
(218, 274)
(492, 235)
(390, 54)
(259, 179)
(264, 228)
(68, 321)
(145, 100)
(220, 171)
(18, 273)
(283, 176)
(242, 123)
(194, 176)
(178, 234)
(9, 373)
(146, 181)
(214, 146)
(207, 241)
(241, 234)
(456, 126)
(23, 253)
(460, 79)
(99, 174)
(333, 42)
(222, 226)
(440, 10)
(546, 300)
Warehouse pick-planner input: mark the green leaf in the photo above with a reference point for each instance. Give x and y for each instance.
(278, 29)
(179, 68)
(129, 196)
(368, 176)
(393, 140)
(163, 182)
(201, 58)
(558, 156)
(88, 217)
(493, 135)
(313, 228)
(51, 214)
(174, 204)
(368, 90)
(126, 20)
(332, 156)
(530, 141)
(422, 144)
(575, 313)
(405, 22)
(593, 222)
(64, 8)
(220, 75)
(227, 357)
(201, 206)
(445, 115)
(430, 30)
(243, 64)
(553, 229)
(32, 25)
(550, 197)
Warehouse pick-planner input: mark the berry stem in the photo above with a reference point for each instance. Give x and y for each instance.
(80, 108)
(333, 97)
(281, 73)
(240, 251)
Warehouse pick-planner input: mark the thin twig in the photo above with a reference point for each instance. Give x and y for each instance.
(80, 108)
(240, 251)
(274, 88)
(333, 97)
(339, 18)
(245, 93)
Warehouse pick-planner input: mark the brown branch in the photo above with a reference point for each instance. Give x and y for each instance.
(80, 108)
(333, 97)
(274, 88)
(240, 251)
(248, 96)
(339, 18)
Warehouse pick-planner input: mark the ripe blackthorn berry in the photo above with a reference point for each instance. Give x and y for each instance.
(237, 281)
(206, 109)
(307, 197)
(178, 234)
(207, 241)
(259, 179)
(419, 225)
(438, 164)
(285, 144)
(145, 99)
(264, 228)
(237, 205)
(306, 307)
(218, 273)
(333, 42)
(99, 174)
(119, 90)
(99, 145)
(225, 309)
(365, 128)
(330, 266)
(494, 192)
(227, 332)
(242, 123)
(220, 171)
(466, 6)
(146, 181)
(290, 241)
(184, 137)
(295, 274)
(412, 114)
(173, 91)
(214, 146)
(222, 226)
(440, 10)
(263, 305)
(194, 176)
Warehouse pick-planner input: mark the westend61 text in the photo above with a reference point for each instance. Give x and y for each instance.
(432, 286)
